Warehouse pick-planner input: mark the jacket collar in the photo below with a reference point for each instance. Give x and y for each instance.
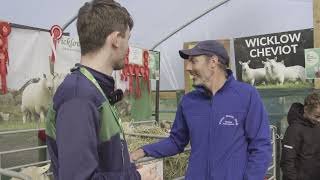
(106, 82)
(207, 92)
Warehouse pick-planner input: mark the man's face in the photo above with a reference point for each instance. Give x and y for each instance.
(200, 70)
(313, 115)
(122, 51)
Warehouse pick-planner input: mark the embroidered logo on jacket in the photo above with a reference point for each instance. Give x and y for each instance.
(228, 120)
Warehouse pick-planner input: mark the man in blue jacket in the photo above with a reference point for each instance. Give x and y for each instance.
(223, 119)
(85, 139)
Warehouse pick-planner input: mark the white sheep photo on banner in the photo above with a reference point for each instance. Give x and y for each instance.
(30, 82)
(274, 60)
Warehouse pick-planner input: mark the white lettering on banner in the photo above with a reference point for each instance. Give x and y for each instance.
(261, 46)
(273, 40)
(265, 43)
(68, 43)
(273, 51)
(283, 40)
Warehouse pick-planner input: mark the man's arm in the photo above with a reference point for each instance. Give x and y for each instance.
(291, 142)
(259, 140)
(175, 143)
(77, 127)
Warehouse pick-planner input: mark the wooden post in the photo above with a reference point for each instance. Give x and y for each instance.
(316, 32)
(51, 65)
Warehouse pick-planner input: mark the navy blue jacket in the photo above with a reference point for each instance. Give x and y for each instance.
(78, 153)
(228, 132)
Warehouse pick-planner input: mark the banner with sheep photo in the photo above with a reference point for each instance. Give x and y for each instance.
(274, 60)
(31, 81)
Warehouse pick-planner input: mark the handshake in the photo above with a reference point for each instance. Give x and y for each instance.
(147, 172)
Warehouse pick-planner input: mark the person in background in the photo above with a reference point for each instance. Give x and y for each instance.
(301, 145)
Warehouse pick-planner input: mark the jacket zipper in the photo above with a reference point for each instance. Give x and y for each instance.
(209, 139)
(122, 154)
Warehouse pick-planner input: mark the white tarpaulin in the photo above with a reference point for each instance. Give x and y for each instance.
(155, 19)
(29, 52)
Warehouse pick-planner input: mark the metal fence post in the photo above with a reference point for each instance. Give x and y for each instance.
(0, 165)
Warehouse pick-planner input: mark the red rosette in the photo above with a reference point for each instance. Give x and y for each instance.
(124, 73)
(1, 41)
(137, 74)
(142, 72)
(5, 29)
(3, 71)
(56, 32)
(131, 73)
(126, 60)
(145, 58)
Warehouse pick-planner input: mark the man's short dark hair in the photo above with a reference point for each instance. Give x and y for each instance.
(97, 20)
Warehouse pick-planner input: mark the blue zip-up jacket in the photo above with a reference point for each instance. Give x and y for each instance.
(228, 132)
(78, 153)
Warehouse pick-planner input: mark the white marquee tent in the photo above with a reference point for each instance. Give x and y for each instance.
(155, 20)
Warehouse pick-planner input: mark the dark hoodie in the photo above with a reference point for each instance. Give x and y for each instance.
(301, 147)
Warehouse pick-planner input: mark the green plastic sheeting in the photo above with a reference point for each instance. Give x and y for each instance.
(142, 107)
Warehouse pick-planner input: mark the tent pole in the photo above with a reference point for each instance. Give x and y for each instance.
(69, 22)
(157, 115)
(187, 23)
(167, 37)
(19, 26)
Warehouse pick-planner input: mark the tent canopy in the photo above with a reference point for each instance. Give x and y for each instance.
(154, 20)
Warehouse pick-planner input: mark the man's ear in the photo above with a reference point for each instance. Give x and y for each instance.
(214, 61)
(114, 39)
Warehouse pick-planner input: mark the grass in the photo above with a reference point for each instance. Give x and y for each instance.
(286, 86)
(15, 122)
(14, 110)
(18, 125)
(15, 119)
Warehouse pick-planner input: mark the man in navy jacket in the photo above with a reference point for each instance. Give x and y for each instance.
(85, 139)
(223, 119)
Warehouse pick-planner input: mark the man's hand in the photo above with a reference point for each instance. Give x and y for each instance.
(148, 173)
(137, 154)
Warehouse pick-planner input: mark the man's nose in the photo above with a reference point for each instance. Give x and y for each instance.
(188, 66)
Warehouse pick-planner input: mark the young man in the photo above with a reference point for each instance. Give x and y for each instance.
(84, 136)
(301, 146)
(223, 119)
